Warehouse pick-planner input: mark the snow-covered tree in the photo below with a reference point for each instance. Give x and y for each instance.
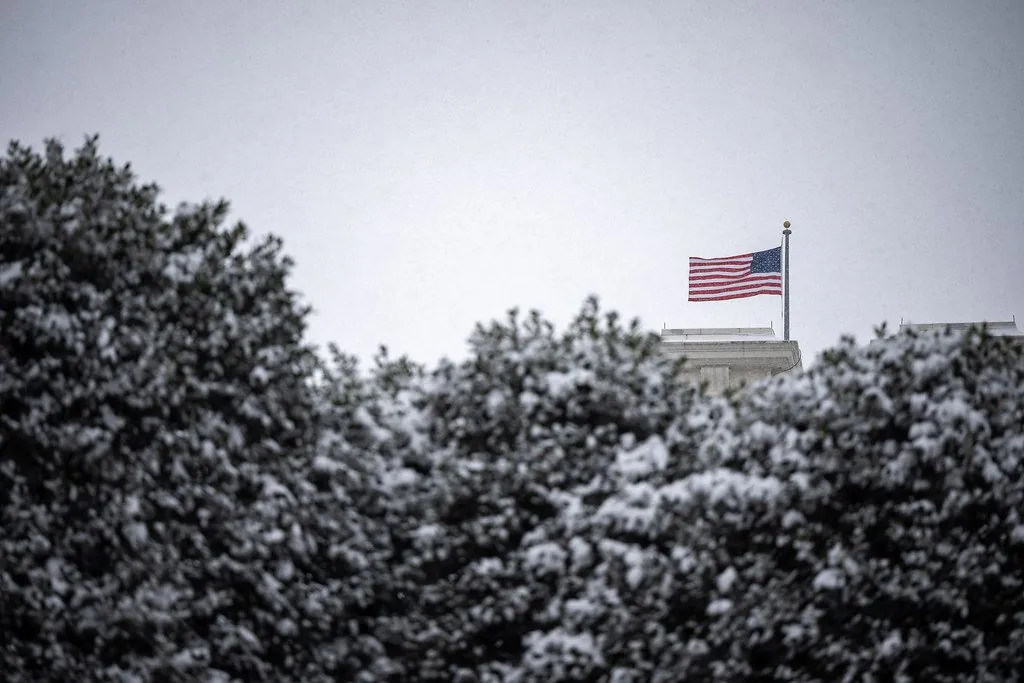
(518, 434)
(577, 515)
(893, 548)
(187, 492)
(153, 384)
(860, 521)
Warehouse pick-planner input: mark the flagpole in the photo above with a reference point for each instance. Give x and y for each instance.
(785, 292)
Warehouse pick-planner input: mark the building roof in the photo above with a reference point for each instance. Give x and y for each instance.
(743, 352)
(1007, 328)
(718, 334)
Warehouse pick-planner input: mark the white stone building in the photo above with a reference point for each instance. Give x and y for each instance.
(1000, 328)
(731, 357)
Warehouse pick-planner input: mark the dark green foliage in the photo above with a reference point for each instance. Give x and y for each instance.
(153, 388)
(188, 493)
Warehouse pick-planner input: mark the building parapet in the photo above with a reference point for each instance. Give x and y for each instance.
(730, 357)
(1001, 328)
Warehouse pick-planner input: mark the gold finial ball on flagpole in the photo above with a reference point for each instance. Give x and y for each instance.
(785, 224)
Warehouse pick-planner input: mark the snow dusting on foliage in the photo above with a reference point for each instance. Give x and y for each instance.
(189, 493)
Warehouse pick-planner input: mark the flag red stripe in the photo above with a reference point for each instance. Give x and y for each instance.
(737, 257)
(723, 290)
(720, 263)
(737, 288)
(752, 277)
(718, 288)
(735, 296)
(727, 271)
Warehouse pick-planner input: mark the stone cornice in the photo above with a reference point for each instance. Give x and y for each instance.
(777, 355)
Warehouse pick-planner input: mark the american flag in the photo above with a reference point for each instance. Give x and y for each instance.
(736, 277)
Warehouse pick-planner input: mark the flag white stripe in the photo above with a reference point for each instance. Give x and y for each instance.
(736, 286)
(723, 271)
(721, 282)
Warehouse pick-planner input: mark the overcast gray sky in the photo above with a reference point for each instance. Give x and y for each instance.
(431, 164)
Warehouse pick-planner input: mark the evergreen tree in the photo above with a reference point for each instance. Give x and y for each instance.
(188, 493)
(516, 432)
(153, 383)
(860, 521)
